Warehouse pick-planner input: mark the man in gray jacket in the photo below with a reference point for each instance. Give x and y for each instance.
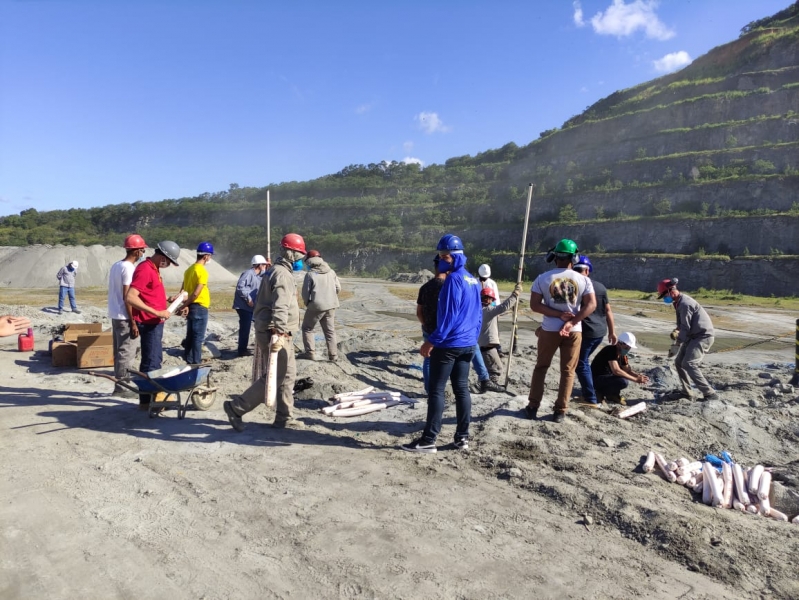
(66, 286)
(244, 300)
(694, 333)
(276, 313)
(489, 332)
(320, 294)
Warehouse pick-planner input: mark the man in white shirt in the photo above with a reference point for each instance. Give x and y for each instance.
(125, 330)
(564, 298)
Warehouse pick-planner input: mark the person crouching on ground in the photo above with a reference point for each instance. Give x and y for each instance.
(244, 299)
(451, 346)
(611, 369)
(320, 291)
(564, 298)
(277, 312)
(695, 335)
(489, 332)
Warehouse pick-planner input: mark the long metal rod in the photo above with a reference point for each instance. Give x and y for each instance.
(519, 276)
(268, 228)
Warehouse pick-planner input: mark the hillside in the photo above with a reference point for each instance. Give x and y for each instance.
(700, 162)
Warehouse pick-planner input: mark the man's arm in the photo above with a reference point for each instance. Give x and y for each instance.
(419, 314)
(194, 295)
(134, 329)
(134, 299)
(626, 372)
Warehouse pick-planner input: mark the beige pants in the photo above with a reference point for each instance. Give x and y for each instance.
(493, 363)
(286, 374)
(548, 343)
(327, 318)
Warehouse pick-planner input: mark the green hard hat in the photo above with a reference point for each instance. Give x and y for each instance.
(566, 247)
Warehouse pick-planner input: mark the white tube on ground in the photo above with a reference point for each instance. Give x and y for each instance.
(649, 463)
(726, 478)
(740, 490)
(765, 486)
(754, 479)
(667, 473)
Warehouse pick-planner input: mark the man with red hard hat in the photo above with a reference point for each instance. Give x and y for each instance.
(694, 334)
(276, 313)
(124, 328)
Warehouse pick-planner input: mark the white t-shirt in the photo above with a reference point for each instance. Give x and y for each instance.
(121, 274)
(563, 290)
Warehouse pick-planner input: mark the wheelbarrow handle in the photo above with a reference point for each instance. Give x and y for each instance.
(116, 380)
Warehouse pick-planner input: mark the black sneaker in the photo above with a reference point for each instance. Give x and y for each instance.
(245, 353)
(531, 413)
(420, 446)
(76, 311)
(235, 420)
(461, 444)
(489, 386)
(713, 396)
(559, 417)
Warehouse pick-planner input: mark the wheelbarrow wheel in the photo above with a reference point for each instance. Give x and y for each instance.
(203, 399)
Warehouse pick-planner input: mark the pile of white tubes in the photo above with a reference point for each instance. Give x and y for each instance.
(367, 400)
(746, 490)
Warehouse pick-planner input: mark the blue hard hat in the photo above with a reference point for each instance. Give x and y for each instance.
(449, 243)
(583, 260)
(205, 248)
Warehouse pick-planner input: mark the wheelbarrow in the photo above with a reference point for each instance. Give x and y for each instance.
(168, 387)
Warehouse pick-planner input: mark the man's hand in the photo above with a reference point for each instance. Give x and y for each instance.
(163, 314)
(250, 303)
(612, 339)
(134, 330)
(10, 325)
(642, 379)
(674, 349)
(426, 349)
(566, 330)
(277, 342)
(183, 312)
(566, 316)
(517, 290)
(675, 334)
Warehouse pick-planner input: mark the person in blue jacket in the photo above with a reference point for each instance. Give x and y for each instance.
(451, 346)
(244, 299)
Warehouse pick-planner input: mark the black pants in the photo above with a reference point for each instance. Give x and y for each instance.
(609, 385)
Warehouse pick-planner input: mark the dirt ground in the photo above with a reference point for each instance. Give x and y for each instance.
(100, 501)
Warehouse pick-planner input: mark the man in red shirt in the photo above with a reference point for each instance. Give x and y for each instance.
(147, 297)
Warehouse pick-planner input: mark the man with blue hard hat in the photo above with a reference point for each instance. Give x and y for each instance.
(451, 346)
(195, 284)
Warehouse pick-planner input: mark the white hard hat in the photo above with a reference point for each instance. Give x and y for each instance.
(484, 271)
(74, 264)
(258, 260)
(628, 338)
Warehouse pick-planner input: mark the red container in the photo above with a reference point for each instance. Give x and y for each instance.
(25, 341)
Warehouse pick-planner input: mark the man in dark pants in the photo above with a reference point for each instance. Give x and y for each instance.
(595, 326)
(147, 297)
(611, 369)
(451, 346)
(195, 284)
(244, 300)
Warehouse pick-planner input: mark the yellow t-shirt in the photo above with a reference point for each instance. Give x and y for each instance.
(194, 276)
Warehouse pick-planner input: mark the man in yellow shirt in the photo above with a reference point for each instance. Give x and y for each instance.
(195, 284)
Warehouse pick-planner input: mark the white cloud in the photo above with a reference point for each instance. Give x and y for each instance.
(583, 90)
(578, 14)
(410, 160)
(672, 62)
(363, 108)
(429, 122)
(408, 146)
(622, 20)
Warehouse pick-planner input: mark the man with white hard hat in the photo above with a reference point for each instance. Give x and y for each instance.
(244, 299)
(66, 286)
(611, 369)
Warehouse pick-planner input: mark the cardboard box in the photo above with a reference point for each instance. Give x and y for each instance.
(95, 350)
(74, 330)
(65, 354)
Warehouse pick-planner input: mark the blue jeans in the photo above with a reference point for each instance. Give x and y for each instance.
(587, 347)
(479, 365)
(151, 348)
(452, 364)
(245, 323)
(196, 324)
(63, 292)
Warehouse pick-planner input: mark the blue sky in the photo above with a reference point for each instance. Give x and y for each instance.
(114, 101)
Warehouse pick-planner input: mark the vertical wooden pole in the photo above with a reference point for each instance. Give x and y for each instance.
(519, 276)
(268, 228)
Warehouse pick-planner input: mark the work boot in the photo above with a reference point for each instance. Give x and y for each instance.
(489, 386)
(559, 417)
(235, 420)
(123, 392)
(288, 424)
(306, 356)
(75, 311)
(531, 413)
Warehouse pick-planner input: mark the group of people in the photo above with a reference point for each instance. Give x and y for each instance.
(576, 317)
(457, 311)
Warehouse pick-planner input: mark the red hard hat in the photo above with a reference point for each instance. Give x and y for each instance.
(313, 253)
(293, 241)
(134, 241)
(489, 293)
(665, 285)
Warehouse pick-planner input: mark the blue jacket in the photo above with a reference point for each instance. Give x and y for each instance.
(246, 289)
(460, 315)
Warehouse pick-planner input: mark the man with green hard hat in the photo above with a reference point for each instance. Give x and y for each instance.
(564, 298)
